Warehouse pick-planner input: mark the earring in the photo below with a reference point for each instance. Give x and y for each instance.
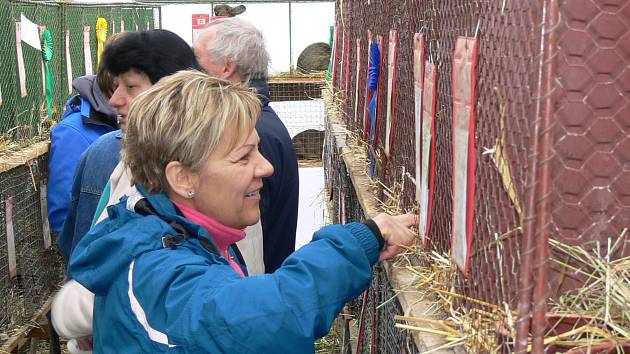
(191, 194)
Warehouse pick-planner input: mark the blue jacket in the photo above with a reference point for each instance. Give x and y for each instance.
(92, 173)
(87, 116)
(188, 299)
(280, 193)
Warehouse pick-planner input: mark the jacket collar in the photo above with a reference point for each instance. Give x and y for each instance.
(262, 90)
(159, 204)
(95, 107)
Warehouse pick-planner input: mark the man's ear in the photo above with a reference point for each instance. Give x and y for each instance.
(181, 181)
(230, 71)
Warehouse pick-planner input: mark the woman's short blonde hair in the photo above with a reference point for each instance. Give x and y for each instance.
(182, 118)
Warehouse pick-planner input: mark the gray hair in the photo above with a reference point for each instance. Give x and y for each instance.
(241, 42)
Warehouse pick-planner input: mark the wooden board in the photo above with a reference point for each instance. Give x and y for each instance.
(12, 159)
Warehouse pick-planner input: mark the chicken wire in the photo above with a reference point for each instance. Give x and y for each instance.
(505, 62)
(39, 268)
(23, 118)
(298, 103)
(559, 86)
(374, 311)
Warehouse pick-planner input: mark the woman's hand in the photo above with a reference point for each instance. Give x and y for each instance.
(396, 232)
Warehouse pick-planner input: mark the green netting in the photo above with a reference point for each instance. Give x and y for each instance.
(39, 269)
(25, 118)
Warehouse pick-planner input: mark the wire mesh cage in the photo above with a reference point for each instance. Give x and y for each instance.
(30, 267)
(375, 310)
(298, 103)
(23, 107)
(551, 137)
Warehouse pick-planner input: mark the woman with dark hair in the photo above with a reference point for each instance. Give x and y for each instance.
(88, 115)
(163, 266)
(136, 60)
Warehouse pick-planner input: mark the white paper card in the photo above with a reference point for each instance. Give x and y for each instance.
(87, 52)
(68, 62)
(10, 237)
(43, 201)
(20, 59)
(30, 33)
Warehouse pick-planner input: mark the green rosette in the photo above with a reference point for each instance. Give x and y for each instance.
(47, 55)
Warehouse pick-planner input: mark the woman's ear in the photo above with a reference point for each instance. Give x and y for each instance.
(182, 182)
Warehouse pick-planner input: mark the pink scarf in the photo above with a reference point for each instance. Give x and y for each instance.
(222, 235)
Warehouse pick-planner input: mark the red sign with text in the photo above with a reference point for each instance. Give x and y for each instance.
(199, 22)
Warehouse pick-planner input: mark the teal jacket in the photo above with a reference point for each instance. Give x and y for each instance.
(161, 286)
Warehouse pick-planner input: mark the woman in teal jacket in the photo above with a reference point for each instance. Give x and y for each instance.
(164, 268)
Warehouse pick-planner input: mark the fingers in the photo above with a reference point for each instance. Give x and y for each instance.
(407, 220)
(389, 252)
(385, 221)
(396, 232)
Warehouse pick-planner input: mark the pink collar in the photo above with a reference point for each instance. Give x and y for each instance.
(222, 235)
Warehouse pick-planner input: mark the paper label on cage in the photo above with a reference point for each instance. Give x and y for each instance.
(20, 60)
(113, 26)
(333, 56)
(391, 90)
(464, 61)
(346, 68)
(68, 62)
(10, 237)
(428, 149)
(0, 96)
(87, 52)
(29, 33)
(43, 69)
(122, 25)
(460, 242)
(418, 76)
(342, 59)
(357, 81)
(43, 202)
(342, 201)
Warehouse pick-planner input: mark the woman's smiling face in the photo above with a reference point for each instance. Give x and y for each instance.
(229, 183)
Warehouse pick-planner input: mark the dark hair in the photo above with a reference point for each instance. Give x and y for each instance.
(157, 53)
